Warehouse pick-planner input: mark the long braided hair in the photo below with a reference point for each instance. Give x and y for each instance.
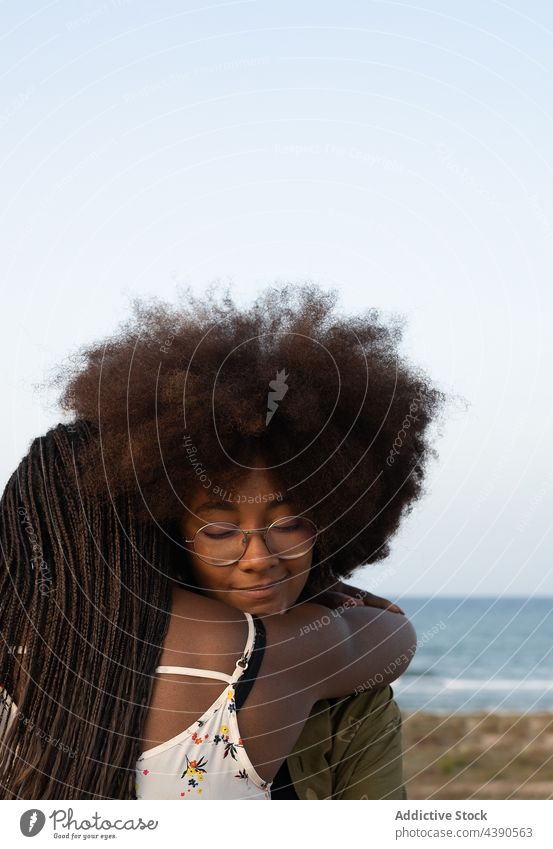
(84, 607)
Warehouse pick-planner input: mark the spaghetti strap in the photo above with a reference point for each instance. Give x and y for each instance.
(241, 664)
(195, 762)
(200, 673)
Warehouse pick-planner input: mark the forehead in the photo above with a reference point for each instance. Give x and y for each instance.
(233, 503)
(257, 484)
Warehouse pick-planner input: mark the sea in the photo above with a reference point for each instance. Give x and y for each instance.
(479, 654)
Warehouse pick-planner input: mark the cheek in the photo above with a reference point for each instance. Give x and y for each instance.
(209, 579)
(300, 575)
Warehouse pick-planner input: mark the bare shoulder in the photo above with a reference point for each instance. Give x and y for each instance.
(202, 609)
(202, 630)
(325, 628)
(328, 652)
(336, 652)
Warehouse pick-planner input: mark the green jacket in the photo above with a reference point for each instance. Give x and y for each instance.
(350, 749)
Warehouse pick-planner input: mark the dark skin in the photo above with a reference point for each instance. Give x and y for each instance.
(229, 584)
(282, 583)
(297, 672)
(234, 584)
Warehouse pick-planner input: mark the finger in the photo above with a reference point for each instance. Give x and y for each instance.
(351, 601)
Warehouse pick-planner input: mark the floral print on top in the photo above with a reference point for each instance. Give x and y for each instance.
(207, 760)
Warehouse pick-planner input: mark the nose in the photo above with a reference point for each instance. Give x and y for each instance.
(257, 556)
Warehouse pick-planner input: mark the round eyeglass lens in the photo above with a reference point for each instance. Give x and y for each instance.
(219, 543)
(291, 537)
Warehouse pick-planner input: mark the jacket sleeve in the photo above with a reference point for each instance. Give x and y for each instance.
(350, 749)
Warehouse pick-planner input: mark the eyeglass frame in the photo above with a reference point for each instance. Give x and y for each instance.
(246, 533)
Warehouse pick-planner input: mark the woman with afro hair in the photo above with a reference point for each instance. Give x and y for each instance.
(194, 423)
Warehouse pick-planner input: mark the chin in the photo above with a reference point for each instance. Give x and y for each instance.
(263, 607)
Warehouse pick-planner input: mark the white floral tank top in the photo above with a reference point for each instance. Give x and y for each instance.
(208, 760)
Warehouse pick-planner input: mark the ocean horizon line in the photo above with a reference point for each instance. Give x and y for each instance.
(480, 597)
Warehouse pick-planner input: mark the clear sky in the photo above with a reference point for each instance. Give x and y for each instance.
(396, 151)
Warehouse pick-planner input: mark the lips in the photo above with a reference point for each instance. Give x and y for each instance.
(255, 587)
(261, 592)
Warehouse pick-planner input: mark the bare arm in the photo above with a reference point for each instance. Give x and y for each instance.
(336, 653)
(311, 650)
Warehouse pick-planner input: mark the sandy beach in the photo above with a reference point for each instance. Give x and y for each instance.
(478, 755)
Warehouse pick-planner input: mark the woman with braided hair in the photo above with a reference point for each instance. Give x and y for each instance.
(108, 569)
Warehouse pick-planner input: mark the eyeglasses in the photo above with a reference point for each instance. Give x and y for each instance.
(223, 543)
